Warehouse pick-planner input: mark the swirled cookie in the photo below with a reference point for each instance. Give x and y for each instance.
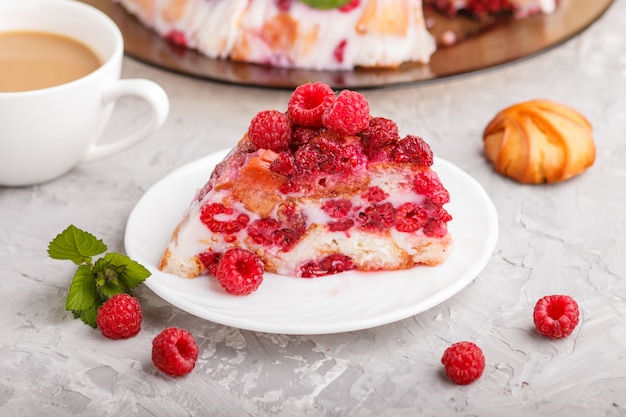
(539, 141)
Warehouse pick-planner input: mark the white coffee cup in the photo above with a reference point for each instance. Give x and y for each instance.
(45, 133)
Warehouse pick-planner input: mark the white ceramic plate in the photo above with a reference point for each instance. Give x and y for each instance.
(332, 304)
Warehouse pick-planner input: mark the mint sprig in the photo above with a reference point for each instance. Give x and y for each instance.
(94, 281)
(326, 4)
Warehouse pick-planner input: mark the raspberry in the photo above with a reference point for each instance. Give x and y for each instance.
(436, 227)
(209, 211)
(307, 159)
(174, 351)
(308, 103)
(353, 4)
(413, 149)
(338, 208)
(341, 225)
(339, 53)
(331, 264)
(428, 183)
(176, 37)
(289, 216)
(377, 217)
(285, 238)
(120, 317)
(261, 231)
(283, 164)
(348, 158)
(410, 217)
(375, 194)
(464, 362)
(556, 316)
(380, 132)
(301, 135)
(240, 272)
(283, 5)
(348, 114)
(270, 129)
(210, 260)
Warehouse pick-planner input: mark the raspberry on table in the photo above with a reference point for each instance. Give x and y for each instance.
(120, 317)
(239, 271)
(463, 362)
(270, 129)
(348, 114)
(556, 316)
(174, 351)
(308, 103)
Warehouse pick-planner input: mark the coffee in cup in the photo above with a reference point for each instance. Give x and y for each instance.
(32, 60)
(49, 123)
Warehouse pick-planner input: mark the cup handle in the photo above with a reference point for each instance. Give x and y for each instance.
(147, 90)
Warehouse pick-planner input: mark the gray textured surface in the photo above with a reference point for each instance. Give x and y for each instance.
(564, 238)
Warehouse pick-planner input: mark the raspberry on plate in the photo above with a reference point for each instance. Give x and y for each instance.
(239, 271)
(174, 351)
(120, 317)
(464, 362)
(556, 316)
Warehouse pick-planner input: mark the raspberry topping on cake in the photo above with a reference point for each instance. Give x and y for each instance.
(308, 103)
(321, 189)
(348, 114)
(270, 129)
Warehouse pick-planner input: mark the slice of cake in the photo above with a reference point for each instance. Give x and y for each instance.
(294, 33)
(319, 189)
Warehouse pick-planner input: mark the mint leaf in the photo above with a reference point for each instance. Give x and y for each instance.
(325, 4)
(107, 278)
(88, 316)
(75, 245)
(94, 282)
(133, 273)
(82, 293)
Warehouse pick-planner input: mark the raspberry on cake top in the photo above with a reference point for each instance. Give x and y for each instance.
(319, 189)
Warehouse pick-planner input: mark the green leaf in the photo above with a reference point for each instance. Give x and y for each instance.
(107, 278)
(82, 293)
(75, 245)
(89, 316)
(94, 282)
(325, 4)
(132, 274)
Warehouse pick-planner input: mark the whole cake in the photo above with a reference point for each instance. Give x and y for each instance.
(311, 34)
(291, 33)
(319, 189)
